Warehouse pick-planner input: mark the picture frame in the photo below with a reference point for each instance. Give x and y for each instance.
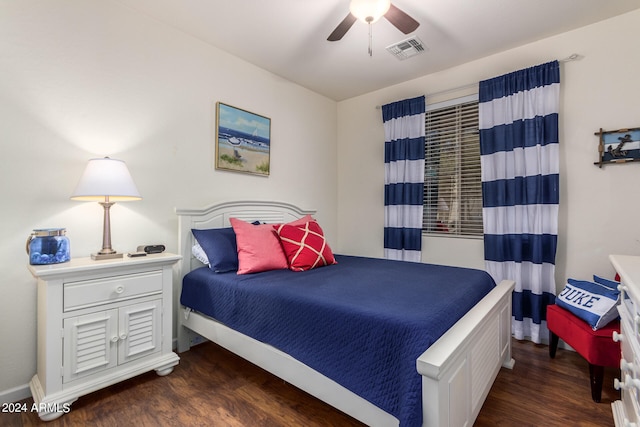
(618, 146)
(242, 141)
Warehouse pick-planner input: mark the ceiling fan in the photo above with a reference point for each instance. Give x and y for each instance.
(370, 11)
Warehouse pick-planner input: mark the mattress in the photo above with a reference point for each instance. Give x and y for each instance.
(362, 322)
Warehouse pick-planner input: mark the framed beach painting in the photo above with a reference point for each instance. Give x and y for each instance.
(243, 140)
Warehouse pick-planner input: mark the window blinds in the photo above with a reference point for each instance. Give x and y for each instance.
(453, 190)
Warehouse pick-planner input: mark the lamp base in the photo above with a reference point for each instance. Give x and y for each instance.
(99, 257)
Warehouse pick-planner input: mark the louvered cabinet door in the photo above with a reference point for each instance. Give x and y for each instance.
(139, 330)
(90, 344)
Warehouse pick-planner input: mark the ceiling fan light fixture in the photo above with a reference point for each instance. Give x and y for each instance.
(369, 11)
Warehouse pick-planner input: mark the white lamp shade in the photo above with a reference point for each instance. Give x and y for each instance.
(106, 178)
(369, 10)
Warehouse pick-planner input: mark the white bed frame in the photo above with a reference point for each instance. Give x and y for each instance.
(457, 371)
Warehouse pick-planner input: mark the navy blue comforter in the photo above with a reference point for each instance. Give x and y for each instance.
(362, 322)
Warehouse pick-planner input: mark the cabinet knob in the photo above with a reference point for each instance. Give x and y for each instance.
(114, 339)
(617, 337)
(627, 384)
(119, 289)
(123, 336)
(626, 366)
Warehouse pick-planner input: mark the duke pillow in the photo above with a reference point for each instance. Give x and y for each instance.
(305, 246)
(592, 302)
(219, 245)
(259, 248)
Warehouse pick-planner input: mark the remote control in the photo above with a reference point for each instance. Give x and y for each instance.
(136, 254)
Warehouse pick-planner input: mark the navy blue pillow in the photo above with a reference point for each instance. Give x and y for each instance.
(606, 282)
(220, 246)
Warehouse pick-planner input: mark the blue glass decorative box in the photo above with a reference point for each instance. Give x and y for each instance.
(48, 246)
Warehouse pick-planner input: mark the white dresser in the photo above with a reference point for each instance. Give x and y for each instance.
(100, 322)
(626, 412)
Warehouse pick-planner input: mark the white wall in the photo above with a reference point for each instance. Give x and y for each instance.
(597, 206)
(89, 78)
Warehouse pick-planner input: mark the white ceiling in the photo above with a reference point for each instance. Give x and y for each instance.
(289, 37)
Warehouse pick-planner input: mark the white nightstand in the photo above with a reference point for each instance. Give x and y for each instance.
(100, 322)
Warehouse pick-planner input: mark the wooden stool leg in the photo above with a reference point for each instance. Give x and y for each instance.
(553, 344)
(596, 373)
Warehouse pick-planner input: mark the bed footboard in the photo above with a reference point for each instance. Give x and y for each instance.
(459, 369)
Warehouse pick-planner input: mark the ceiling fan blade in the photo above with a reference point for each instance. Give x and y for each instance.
(342, 28)
(401, 20)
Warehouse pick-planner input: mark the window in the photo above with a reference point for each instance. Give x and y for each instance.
(452, 188)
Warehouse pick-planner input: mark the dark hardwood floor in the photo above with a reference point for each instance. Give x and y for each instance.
(212, 387)
(541, 391)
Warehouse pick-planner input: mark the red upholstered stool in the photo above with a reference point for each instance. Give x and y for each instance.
(597, 347)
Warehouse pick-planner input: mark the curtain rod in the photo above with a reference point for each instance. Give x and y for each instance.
(572, 57)
(441, 92)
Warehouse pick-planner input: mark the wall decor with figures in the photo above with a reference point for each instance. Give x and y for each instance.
(618, 146)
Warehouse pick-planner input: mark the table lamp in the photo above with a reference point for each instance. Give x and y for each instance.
(106, 181)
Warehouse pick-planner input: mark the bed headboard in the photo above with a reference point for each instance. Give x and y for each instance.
(217, 216)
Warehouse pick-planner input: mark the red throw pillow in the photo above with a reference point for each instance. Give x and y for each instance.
(259, 248)
(305, 246)
(300, 221)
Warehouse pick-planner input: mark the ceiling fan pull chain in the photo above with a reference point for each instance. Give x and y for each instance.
(370, 40)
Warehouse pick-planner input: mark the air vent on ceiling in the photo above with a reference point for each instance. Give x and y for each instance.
(407, 48)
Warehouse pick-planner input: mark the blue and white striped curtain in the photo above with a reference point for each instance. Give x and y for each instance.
(403, 178)
(520, 188)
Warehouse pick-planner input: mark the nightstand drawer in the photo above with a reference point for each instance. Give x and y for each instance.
(88, 293)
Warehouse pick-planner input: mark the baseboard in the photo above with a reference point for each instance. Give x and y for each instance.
(565, 346)
(15, 394)
(545, 341)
